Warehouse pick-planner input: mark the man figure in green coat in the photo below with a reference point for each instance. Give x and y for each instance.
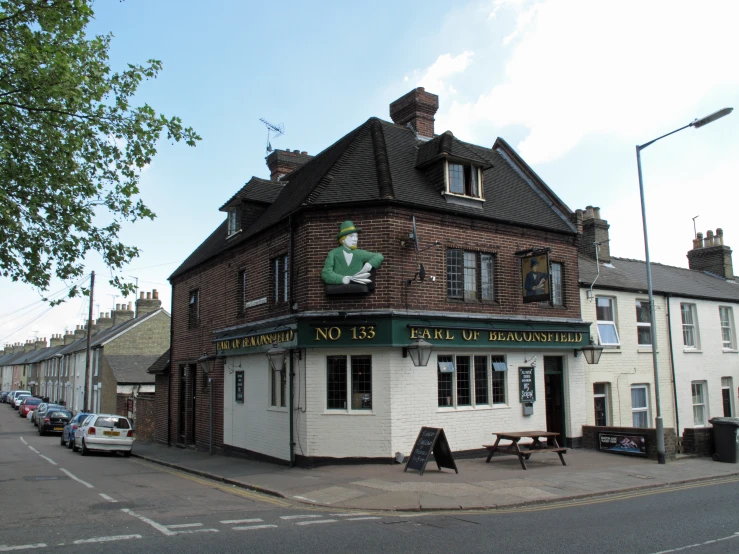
(347, 264)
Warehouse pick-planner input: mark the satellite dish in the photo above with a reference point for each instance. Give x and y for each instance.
(421, 272)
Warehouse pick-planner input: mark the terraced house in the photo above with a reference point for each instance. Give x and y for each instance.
(399, 278)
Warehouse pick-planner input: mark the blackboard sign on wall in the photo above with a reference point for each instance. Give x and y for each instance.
(526, 384)
(239, 386)
(431, 440)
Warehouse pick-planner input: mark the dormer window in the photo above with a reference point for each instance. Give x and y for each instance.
(464, 179)
(234, 225)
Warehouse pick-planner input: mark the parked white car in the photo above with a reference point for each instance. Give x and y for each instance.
(19, 398)
(104, 433)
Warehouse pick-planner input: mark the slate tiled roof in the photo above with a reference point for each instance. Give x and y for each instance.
(130, 370)
(256, 190)
(161, 365)
(626, 274)
(378, 161)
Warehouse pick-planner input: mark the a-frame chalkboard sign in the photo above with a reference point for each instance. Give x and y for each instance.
(431, 440)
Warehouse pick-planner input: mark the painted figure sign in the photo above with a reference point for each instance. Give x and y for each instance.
(535, 274)
(349, 270)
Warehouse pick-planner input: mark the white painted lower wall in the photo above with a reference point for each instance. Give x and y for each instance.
(404, 399)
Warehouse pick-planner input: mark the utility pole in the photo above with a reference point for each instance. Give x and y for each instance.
(85, 402)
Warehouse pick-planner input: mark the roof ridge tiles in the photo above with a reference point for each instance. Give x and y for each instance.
(384, 176)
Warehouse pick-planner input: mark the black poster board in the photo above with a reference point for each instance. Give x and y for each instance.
(431, 440)
(526, 384)
(239, 386)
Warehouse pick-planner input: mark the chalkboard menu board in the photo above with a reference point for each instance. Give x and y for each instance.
(239, 386)
(431, 440)
(526, 384)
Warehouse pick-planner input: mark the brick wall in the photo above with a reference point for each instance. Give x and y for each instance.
(698, 441)
(161, 415)
(590, 438)
(144, 414)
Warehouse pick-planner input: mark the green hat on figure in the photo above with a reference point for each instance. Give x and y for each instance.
(347, 228)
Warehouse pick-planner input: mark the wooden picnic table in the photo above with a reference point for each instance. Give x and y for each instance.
(536, 446)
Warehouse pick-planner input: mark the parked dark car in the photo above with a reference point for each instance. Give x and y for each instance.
(40, 412)
(71, 427)
(54, 421)
(3, 395)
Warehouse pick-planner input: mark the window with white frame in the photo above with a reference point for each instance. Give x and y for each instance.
(556, 272)
(234, 225)
(193, 311)
(469, 275)
(690, 325)
(278, 384)
(726, 314)
(727, 399)
(605, 313)
(640, 405)
(698, 389)
(475, 381)
(601, 403)
(349, 383)
(643, 323)
(464, 179)
(281, 274)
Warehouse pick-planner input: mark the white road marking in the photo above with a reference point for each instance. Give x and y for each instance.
(362, 518)
(237, 521)
(108, 498)
(23, 440)
(161, 528)
(108, 539)
(33, 449)
(88, 485)
(316, 521)
(304, 498)
(52, 462)
(183, 525)
(350, 514)
(734, 536)
(196, 531)
(21, 547)
(299, 517)
(253, 527)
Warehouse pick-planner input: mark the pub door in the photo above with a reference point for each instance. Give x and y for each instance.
(554, 395)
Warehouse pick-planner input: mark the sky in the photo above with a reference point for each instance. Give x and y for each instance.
(572, 85)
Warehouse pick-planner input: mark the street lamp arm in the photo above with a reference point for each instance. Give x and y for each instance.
(696, 123)
(640, 147)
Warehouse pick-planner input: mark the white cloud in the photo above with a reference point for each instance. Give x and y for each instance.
(436, 76)
(578, 68)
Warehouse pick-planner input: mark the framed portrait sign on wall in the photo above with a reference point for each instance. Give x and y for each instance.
(536, 284)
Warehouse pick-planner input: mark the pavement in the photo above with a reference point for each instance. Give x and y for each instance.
(502, 483)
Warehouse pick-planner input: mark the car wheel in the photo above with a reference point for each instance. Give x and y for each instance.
(74, 447)
(62, 442)
(84, 449)
(126, 453)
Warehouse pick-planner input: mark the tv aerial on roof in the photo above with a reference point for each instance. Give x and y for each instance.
(273, 131)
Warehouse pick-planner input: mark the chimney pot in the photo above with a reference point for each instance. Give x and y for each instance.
(155, 294)
(141, 295)
(588, 212)
(596, 213)
(148, 296)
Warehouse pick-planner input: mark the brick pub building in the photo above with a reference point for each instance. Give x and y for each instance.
(457, 226)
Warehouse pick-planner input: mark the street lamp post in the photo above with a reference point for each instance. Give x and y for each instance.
(658, 420)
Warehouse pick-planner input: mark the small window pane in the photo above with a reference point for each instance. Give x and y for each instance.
(470, 275)
(361, 383)
(486, 276)
(454, 264)
(498, 380)
(456, 178)
(444, 381)
(481, 380)
(336, 383)
(463, 381)
(557, 284)
(604, 309)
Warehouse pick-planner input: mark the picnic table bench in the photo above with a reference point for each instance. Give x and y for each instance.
(534, 447)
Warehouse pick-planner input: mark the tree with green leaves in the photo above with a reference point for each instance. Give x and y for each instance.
(72, 145)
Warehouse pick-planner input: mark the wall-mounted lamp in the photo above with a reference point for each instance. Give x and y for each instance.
(276, 357)
(591, 352)
(419, 351)
(207, 363)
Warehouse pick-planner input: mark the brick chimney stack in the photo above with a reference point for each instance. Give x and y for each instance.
(80, 332)
(40, 343)
(282, 162)
(148, 304)
(711, 254)
(104, 321)
(122, 313)
(56, 340)
(595, 230)
(418, 108)
(69, 337)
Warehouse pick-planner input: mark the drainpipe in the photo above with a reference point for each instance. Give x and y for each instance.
(169, 374)
(290, 369)
(672, 363)
(210, 386)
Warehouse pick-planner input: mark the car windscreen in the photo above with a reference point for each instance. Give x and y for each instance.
(79, 418)
(33, 401)
(59, 414)
(118, 422)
